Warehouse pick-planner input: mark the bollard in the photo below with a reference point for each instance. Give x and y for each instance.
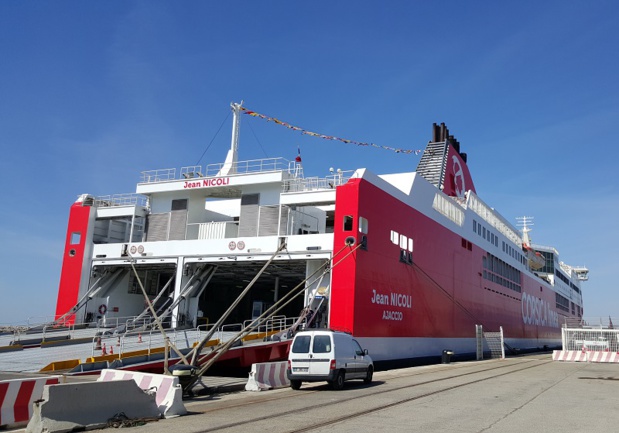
(446, 358)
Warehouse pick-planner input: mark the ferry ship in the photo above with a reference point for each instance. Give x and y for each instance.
(409, 263)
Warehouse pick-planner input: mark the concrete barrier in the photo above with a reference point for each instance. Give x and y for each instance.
(17, 396)
(88, 405)
(168, 391)
(267, 375)
(585, 356)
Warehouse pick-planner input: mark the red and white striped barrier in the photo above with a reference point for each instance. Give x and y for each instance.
(585, 356)
(17, 396)
(267, 375)
(169, 394)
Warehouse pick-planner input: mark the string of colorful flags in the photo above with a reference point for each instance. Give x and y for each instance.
(327, 137)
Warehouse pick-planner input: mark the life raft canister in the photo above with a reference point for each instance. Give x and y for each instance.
(102, 309)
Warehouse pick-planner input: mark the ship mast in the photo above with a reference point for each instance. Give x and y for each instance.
(525, 222)
(229, 166)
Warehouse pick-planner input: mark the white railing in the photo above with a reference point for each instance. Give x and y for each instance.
(129, 199)
(590, 322)
(602, 340)
(264, 165)
(251, 166)
(274, 324)
(545, 247)
(317, 183)
(149, 340)
(160, 175)
(488, 215)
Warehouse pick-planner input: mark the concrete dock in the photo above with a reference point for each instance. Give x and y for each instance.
(528, 393)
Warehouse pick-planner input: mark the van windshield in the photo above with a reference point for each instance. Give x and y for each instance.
(322, 344)
(301, 344)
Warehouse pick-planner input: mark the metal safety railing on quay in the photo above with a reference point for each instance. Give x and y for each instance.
(590, 334)
(601, 340)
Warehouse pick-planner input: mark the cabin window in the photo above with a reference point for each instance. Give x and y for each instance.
(363, 225)
(75, 238)
(395, 237)
(348, 223)
(180, 204)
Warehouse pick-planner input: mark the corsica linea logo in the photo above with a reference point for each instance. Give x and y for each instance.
(459, 184)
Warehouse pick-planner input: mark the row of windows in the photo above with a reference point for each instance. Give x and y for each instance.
(403, 241)
(566, 280)
(497, 271)
(485, 233)
(513, 252)
(563, 303)
(348, 224)
(406, 246)
(562, 277)
(549, 267)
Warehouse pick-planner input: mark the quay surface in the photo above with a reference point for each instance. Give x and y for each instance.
(528, 393)
(521, 394)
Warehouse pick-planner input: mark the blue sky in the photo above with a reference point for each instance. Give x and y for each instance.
(92, 93)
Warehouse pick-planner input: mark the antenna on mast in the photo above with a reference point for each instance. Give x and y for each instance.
(525, 222)
(229, 166)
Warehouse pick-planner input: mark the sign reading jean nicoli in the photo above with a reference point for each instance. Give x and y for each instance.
(204, 183)
(397, 300)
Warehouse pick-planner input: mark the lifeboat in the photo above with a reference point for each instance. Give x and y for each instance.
(536, 259)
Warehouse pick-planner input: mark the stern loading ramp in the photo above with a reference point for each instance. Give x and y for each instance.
(18, 359)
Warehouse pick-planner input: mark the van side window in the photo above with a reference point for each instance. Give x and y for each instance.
(301, 344)
(322, 344)
(358, 350)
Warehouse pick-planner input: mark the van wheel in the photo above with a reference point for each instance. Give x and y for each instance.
(368, 376)
(295, 384)
(338, 382)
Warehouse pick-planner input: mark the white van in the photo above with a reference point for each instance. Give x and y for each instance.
(327, 355)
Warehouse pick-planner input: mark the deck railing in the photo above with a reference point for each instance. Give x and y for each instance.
(129, 199)
(264, 165)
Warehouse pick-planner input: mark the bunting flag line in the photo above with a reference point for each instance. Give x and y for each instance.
(326, 137)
